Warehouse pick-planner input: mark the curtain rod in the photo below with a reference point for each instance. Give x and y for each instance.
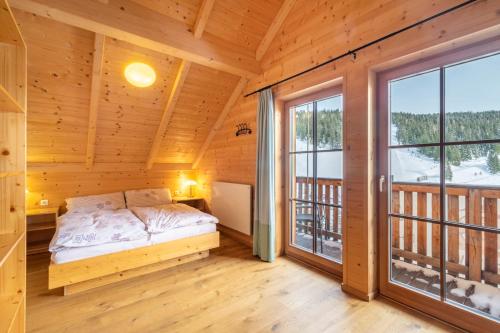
(353, 52)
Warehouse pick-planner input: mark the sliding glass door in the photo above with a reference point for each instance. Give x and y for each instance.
(440, 181)
(315, 174)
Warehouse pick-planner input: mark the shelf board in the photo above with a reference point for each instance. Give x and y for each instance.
(8, 243)
(11, 174)
(37, 247)
(7, 103)
(41, 226)
(10, 306)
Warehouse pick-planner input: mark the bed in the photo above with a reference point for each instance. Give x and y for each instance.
(104, 239)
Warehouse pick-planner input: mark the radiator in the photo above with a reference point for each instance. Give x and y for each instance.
(232, 205)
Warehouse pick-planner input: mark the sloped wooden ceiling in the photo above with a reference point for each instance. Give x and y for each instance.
(242, 22)
(59, 69)
(60, 61)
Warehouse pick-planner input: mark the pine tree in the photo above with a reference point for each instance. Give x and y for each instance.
(448, 175)
(493, 162)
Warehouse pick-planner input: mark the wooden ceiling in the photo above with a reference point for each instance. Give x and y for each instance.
(82, 110)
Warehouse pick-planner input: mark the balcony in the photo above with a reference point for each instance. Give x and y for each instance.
(472, 256)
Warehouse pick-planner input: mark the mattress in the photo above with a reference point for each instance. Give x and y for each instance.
(79, 253)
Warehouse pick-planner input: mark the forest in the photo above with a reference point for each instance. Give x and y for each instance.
(418, 129)
(459, 126)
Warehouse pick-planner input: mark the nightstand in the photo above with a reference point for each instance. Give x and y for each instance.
(40, 227)
(196, 202)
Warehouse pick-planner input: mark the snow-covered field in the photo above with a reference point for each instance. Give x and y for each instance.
(410, 166)
(407, 165)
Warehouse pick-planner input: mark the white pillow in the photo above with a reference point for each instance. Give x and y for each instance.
(148, 197)
(92, 203)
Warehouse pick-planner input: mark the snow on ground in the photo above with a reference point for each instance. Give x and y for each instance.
(483, 297)
(407, 165)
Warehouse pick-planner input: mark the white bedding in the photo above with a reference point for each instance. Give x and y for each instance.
(78, 253)
(96, 228)
(159, 219)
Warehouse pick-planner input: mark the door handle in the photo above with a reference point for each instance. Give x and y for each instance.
(381, 182)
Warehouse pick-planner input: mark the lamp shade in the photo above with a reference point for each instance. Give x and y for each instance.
(190, 182)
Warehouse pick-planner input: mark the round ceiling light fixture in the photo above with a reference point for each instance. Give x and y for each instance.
(140, 75)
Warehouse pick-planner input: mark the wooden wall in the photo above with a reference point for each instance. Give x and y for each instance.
(58, 183)
(313, 32)
(230, 158)
(59, 82)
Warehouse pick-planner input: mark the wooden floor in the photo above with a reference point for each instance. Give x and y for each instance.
(228, 292)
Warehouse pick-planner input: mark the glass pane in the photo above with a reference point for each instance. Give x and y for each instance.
(301, 128)
(301, 173)
(330, 123)
(414, 106)
(415, 181)
(473, 183)
(329, 233)
(472, 100)
(415, 254)
(329, 177)
(476, 165)
(472, 268)
(301, 217)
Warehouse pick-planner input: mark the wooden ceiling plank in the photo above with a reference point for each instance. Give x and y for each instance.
(220, 120)
(95, 90)
(167, 113)
(133, 23)
(202, 18)
(274, 28)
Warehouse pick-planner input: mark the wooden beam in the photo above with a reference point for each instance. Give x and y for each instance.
(167, 113)
(202, 18)
(220, 120)
(128, 21)
(274, 28)
(95, 90)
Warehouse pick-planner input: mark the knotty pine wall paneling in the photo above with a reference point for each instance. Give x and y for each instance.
(313, 32)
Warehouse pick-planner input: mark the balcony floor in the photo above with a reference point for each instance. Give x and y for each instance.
(330, 248)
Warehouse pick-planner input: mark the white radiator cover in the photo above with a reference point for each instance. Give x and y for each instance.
(232, 205)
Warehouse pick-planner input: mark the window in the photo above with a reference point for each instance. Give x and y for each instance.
(315, 174)
(443, 148)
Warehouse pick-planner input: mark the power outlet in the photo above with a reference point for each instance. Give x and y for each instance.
(177, 193)
(44, 202)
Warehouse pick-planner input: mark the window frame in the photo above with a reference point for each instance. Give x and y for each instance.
(437, 306)
(310, 257)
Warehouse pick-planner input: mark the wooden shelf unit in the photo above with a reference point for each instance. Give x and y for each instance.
(7, 103)
(8, 243)
(11, 305)
(12, 174)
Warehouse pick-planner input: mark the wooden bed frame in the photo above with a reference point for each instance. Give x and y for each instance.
(85, 274)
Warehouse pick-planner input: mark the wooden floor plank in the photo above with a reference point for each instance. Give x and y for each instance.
(230, 291)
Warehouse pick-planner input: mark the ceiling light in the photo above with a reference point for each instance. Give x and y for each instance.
(139, 74)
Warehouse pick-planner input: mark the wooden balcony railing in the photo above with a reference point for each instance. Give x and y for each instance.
(329, 193)
(470, 254)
